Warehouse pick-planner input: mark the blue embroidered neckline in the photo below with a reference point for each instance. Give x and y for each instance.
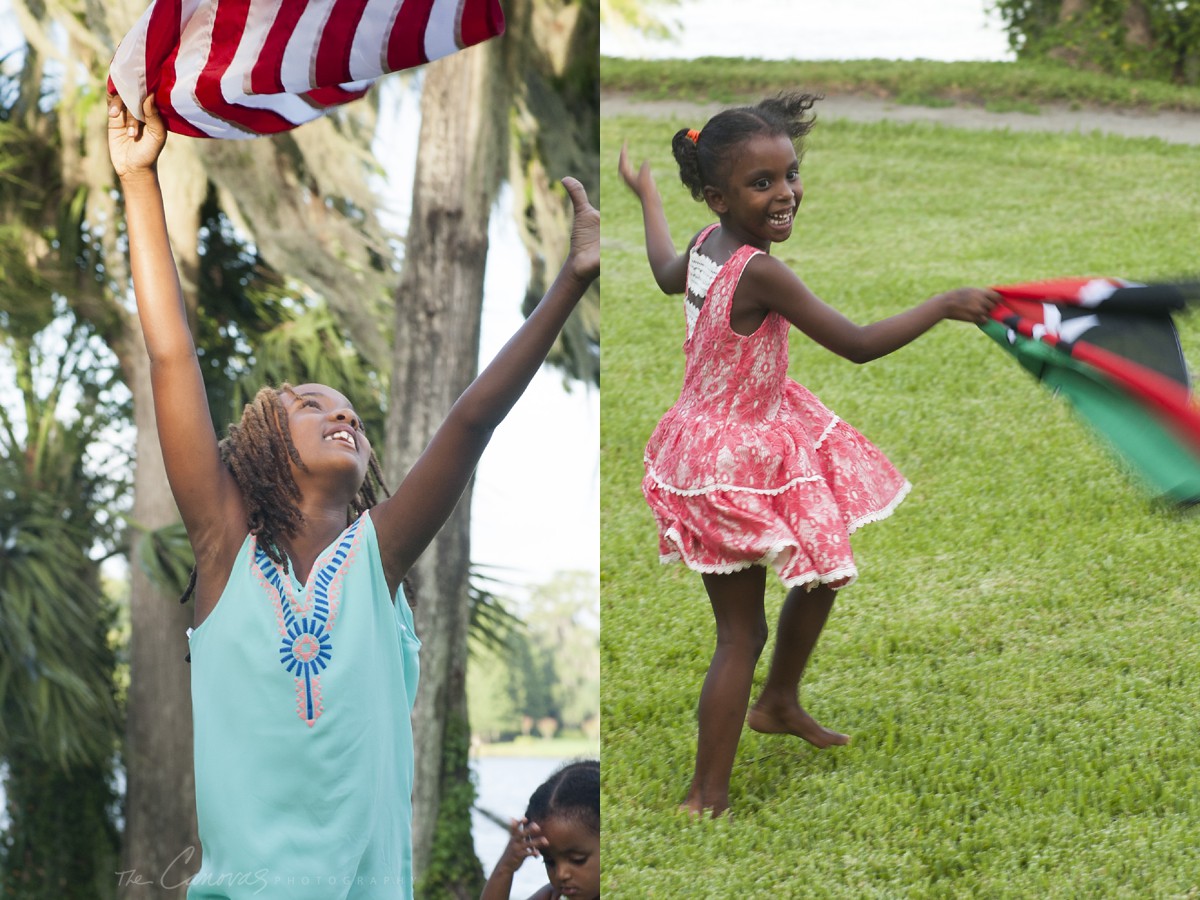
(306, 622)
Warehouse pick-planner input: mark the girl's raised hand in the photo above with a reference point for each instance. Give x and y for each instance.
(134, 146)
(641, 183)
(525, 839)
(969, 304)
(585, 233)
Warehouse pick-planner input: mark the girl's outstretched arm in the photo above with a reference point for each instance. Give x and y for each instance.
(204, 491)
(768, 285)
(408, 520)
(669, 267)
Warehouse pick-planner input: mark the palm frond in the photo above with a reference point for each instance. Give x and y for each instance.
(57, 698)
(492, 623)
(166, 556)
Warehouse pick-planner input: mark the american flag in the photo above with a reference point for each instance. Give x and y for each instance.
(243, 68)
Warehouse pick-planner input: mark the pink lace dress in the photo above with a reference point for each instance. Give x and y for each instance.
(749, 467)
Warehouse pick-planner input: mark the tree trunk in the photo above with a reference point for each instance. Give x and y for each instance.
(1071, 12)
(436, 354)
(160, 843)
(1136, 22)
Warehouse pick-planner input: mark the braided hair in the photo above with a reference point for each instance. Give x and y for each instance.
(704, 156)
(256, 451)
(572, 792)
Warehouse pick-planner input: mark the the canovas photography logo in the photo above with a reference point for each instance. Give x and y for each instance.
(175, 876)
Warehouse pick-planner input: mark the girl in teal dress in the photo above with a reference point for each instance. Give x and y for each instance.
(304, 660)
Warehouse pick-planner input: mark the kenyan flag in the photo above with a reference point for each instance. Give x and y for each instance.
(1111, 349)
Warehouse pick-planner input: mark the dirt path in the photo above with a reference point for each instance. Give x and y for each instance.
(1172, 127)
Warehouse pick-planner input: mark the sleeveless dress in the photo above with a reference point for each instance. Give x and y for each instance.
(749, 467)
(301, 695)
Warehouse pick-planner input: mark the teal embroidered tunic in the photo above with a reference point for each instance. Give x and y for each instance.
(301, 696)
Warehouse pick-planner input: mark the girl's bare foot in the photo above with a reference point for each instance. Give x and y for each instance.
(793, 720)
(697, 810)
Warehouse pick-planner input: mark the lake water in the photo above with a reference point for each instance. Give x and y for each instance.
(504, 784)
(819, 29)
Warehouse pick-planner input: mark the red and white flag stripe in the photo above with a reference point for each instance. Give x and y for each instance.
(243, 68)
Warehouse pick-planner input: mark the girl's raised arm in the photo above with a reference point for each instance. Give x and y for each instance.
(669, 267)
(204, 491)
(408, 520)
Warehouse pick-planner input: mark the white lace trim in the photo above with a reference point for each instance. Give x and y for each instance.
(828, 429)
(702, 272)
(847, 574)
(730, 488)
(881, 514)
(691, 314)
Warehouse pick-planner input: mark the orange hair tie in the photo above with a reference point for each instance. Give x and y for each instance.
(693, 135)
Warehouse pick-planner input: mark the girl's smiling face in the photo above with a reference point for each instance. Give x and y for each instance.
(572, 857)
(326, 430)
(762, 191)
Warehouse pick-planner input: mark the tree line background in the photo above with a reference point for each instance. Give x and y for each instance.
(540, 678)
(1157, 39)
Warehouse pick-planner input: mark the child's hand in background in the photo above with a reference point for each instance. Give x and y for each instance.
(585, 233)
(525, 840)
(969, 304)
(134, 146)
(641, 183)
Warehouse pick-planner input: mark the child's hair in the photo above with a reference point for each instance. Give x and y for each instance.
(573, 792)
(703, 156)
(256, 451)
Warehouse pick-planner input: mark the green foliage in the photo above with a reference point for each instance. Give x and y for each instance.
(565, 630)
(1100, 37)
(553, 130)
(494, 695)
(64, 849)
(492, 625)
(640, 15)
(546, 668)
(55, 665)
(59, 718)
(166, 557)
(1029, 81)
(453, 871)
(1018, 654)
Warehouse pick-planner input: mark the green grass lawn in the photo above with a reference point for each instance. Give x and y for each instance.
(1001, 86)
(1018, 663)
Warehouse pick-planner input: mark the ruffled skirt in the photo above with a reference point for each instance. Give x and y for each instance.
(786, 491)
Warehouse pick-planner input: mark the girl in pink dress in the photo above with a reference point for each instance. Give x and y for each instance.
(748, 468)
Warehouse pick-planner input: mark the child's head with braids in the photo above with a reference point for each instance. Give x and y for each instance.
(261, 452)
(566, 810)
